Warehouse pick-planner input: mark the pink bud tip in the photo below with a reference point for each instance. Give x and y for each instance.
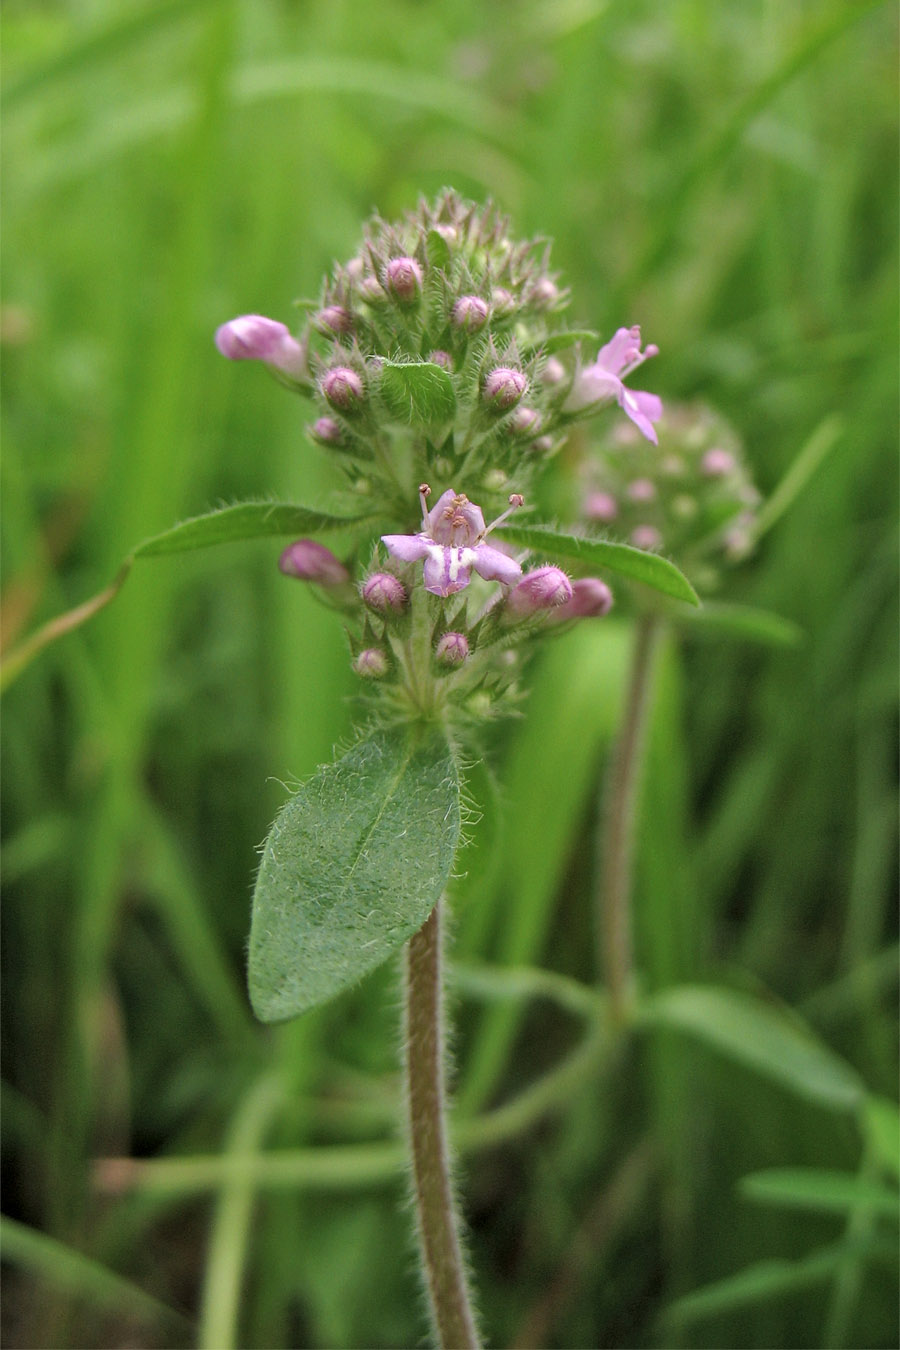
(525, 421)
(333, 321)
(601, 506)
(504, 387)
(371, 663)
(469, 314)
(404, 279)
(309, 560)
(252, 337)
(543, 293)
(717, 463)
(385, 593)
(554, 373)
(326, 431)
(641, 490)
(646, 537)
(343, 388)
(591, 599)
(544, 588)
(452, 649)
(503, 302)
(441, 359)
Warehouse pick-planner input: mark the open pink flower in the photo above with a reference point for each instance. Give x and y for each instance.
(451, 541)
(604, 380)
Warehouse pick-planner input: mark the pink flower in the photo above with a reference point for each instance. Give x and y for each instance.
(603, 380)
(451, 541)
(252, 337)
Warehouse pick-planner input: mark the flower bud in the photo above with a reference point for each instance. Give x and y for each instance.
(554, 373)
(543, 445)
(343, 389)
(326, 431)
(442, 359)
(504, 387)
(371, 663)
(525, 421)
(717, 463)
(452, 649)
(403, 278)
(503, 302)
(544, 588)
(601, 506)
(252, 337)
(333, 321)
(372, 291)
(591, 599)
(309, 560)
(469, 314)
(646, 537)
(543, 293)
(641, 490)
(385, 593)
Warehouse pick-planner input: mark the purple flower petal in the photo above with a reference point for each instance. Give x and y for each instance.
(447, 570)
(493, 565)
(407, 547)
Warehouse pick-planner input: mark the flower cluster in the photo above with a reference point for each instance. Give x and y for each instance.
(438, 353)
(690, 497)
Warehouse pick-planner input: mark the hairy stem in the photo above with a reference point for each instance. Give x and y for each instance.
(438, 1223)
(617, 829)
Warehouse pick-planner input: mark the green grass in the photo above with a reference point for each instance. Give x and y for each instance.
(723, 174)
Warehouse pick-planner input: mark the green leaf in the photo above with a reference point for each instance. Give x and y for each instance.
(747, 623)
(353, 866)
(817, 1189)
(648, 568)
(437, 249)
(763, 1037)
(246, 520)
(811, 456)
(417, 393)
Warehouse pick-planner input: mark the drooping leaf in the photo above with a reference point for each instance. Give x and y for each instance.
(353, 866)
(745, 622)
(764, 1038)
(648, 568)
(815, 1188)
(417, 393)
(245, 520)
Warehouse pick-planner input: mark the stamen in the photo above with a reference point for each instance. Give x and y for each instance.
(515, 501)
(424, 494)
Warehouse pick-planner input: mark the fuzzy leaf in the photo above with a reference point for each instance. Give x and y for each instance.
(418, 393)
(246, 520)
(648, 568)
(437, 249)
(353, 866)
(761, 1036)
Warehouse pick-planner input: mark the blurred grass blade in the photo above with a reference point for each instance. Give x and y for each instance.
(744, 622)
(881, 1125)
(649, 568)
(814, 452)
(81, 1275)
(818, 1189)
(765, 1038)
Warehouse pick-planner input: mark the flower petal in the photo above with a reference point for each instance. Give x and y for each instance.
(407, 547)
(493, 565)
(447, 570)
(644, 409)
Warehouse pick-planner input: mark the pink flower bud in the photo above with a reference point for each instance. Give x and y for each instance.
(343, 389)
(544, 588)
(385, 593)
(717, 463)
(543, 293)
(372, 292)
(469, 314)
(371, 663)
(326, 431)
(641, 490)
(252, 337)
(403, 277)
(452, 649)
(554, 373)
(503, 302)
(646, 537)
(601, 506)
(525, 421)
(543, 445)
(309, 560)
(442, 359)
(504, 387)
(333, 321)
(591, 599)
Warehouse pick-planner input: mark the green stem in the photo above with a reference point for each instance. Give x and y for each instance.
(438, 1223)
(618, 822)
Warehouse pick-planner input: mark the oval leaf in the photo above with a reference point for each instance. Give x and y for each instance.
(648, 568)
(353, 866)
(417, 393)
(246, 520)
(763, 1037)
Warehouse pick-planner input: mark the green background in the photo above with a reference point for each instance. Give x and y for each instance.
(723, 174)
